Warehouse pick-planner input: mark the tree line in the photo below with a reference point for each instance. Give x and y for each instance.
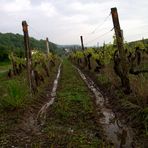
(10, 42)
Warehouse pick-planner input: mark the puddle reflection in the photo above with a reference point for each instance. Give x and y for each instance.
(120, 135)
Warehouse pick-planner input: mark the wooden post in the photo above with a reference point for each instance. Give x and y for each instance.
(104, 44)
(28, 55)
(122, 36)
(120, 46)
(82, 45)
(118, 31)
(143, 40)
(47, 45)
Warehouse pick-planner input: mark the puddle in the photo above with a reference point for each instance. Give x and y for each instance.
(41, 117)
(119, 134)
(31, 126)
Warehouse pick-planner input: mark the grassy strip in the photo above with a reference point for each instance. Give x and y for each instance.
(13, 92)
(4, 66)
(72, 121)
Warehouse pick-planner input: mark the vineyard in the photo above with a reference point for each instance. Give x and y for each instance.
(86, 97)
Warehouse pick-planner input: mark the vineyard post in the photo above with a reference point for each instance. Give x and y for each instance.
(28, 55)
(122, 35)
(82, 45)
(47, 45)
(120, 46)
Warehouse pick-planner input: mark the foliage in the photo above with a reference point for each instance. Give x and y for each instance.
(135, 104)
(137, 113)
(10, 42)
(103, 54)
(15, 94)
(103, 79)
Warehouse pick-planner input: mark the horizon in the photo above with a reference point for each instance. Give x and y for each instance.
(72, 44)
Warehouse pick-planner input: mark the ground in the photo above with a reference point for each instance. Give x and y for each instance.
(71, 121)
(76, 113)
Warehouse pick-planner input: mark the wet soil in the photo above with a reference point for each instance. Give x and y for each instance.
(73, 120)
(120, 134)
(24, 128)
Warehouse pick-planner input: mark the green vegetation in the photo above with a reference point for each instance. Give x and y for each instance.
(4, 66)
(72, 122)
(14, 87)
(13, 93)
(16, 103)
(100, 64)
(103, 79)
(10, 42)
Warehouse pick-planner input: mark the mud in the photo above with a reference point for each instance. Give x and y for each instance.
(30, 128)
(118, 133)
(41, 117)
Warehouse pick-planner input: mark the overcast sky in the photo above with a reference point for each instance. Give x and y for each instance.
(63, 21)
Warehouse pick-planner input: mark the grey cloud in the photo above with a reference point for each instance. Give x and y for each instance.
(63, 21)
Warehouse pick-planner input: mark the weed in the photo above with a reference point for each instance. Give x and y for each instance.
(72, 122)
(15, 94)
(103, 79)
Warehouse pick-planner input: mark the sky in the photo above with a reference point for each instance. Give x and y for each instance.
(64, 21)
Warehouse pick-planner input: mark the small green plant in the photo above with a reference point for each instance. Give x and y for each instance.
(15, 95)
(103, 79)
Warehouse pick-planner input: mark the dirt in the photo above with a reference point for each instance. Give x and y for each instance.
(31, 129)
(121, 135)
(41, 116)
(24, 129)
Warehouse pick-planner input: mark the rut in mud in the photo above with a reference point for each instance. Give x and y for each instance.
(72, 113)
(118, 133)
(72, 121)
(34, 122)
(41, 117)
(28, 131)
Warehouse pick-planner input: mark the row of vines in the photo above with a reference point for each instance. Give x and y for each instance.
(41, 65)
(104, 64)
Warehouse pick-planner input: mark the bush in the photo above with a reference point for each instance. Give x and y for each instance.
(103, 79)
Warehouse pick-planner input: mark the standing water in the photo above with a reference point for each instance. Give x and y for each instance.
(41, 117)
(119, 134)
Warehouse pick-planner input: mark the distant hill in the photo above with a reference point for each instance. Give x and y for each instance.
(70, 46)
(15, 42)
(143, 40)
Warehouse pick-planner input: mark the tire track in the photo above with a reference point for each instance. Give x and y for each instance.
(120, 136)
(29, 130)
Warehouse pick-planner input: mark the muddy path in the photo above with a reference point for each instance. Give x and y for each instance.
(71, 112)
(41, 116)
(116, 131)
(28, 130)
(72, 120)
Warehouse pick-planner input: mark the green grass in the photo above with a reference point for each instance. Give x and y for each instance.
(13, 93)
(5, 66)
(71, 121)
(103, 79)
(15, 101)
(134, 106)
